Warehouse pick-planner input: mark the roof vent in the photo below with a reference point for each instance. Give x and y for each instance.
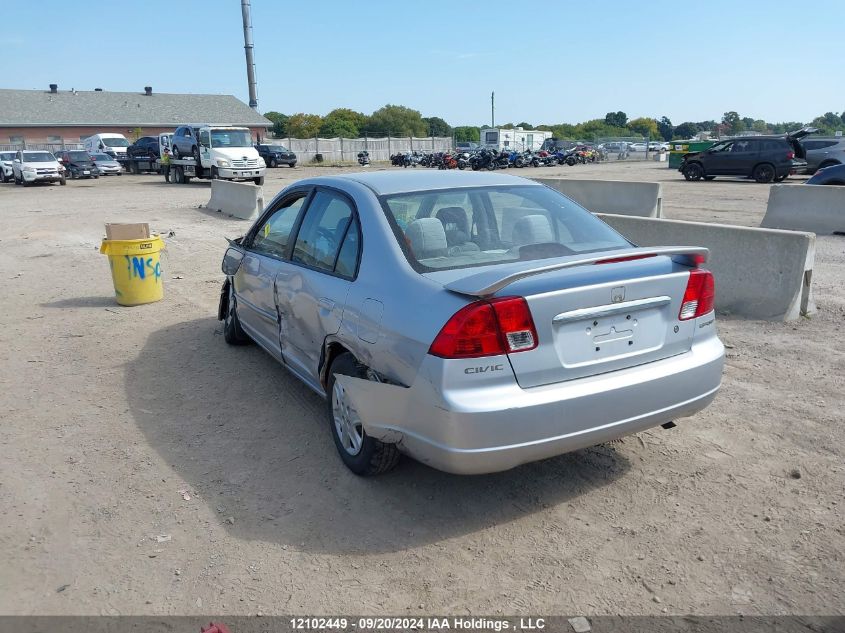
(148, 90)
(54, 88)
(98, 89)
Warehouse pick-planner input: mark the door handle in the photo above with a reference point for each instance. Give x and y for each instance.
(325, 304)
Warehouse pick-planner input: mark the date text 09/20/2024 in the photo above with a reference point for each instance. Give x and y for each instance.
(417, 623)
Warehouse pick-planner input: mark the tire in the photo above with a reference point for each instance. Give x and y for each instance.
(96, 177)
(763, 173)
(363, 455)
(233, 333)
(709, 178)
(273, 163)
(292, 165)
(215, 175)
(693, 172)
(63, 181)
(258, 181)
(74, 174)
(175, 152)
(133, 167)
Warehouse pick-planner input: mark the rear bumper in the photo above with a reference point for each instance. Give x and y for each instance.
(472, 431)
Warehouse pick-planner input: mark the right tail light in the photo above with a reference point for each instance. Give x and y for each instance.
(699, 295)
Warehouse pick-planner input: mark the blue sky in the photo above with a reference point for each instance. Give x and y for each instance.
(549, 62)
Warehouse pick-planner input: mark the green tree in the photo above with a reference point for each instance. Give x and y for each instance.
(396, 121)
(747, 123)
(685, 130)
(665, 128)
(437, 126)
(525, 126)
(467, 134)
(302, 125)
(342, 122)
(644, 126)
(280, 122)
(828, 123)
(616, 119)
(732, 121)
(760, 126)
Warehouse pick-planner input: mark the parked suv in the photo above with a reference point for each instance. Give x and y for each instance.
(275, 155)
(763, 158)
(31, 166)
(79, 164)
(6, 173)
(824, 152)
(145, 147)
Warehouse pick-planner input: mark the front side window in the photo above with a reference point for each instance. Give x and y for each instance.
(322, 231)
(273, 235)
(204, 138)
(447, 229)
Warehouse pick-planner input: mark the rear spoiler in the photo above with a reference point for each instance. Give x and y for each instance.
(490, 282)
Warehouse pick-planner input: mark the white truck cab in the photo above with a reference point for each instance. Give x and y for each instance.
(107, 143)
(228, 153)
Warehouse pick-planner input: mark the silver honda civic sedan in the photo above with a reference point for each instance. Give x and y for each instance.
(474, 321)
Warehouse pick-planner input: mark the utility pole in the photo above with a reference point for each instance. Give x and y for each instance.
(248, 50)
(493, 109)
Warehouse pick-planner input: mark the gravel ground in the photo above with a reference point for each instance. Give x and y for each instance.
(150, 469)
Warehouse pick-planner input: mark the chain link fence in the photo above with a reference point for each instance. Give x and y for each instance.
(343, 150)
(50, 147)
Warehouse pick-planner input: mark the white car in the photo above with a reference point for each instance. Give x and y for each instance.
(31, 166)
(6, 171)
(636, 147)
(654, 146)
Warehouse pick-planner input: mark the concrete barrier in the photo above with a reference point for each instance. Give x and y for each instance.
(820, 209)
(644, 199)
(759, 273)
(240, 200)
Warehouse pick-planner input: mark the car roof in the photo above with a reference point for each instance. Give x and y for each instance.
(392, 182)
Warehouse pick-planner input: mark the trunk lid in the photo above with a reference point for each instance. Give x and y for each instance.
(594, 319)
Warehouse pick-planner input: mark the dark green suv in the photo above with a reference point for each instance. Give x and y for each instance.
(763, 158)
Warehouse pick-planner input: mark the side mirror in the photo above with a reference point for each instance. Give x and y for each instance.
(232, 261)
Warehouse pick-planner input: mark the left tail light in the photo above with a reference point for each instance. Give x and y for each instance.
(487, 328)
(699, 295)
(790, 155)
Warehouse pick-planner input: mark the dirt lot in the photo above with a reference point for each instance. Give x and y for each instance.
(112, 417)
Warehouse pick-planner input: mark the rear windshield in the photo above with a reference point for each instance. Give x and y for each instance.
(103, 158)
(79, 156)
(460, 228)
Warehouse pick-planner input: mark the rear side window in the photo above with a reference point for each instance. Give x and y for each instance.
(347, 258)
(323, 230)
(811, 145)
(462, 228)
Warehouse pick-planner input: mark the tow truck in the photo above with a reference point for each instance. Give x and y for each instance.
(220, 152)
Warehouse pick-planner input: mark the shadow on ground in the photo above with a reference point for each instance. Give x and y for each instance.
(253, 443)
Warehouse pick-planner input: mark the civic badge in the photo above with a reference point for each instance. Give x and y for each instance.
(617, 295)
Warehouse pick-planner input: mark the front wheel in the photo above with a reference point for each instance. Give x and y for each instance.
(233, 333)
(763, 173)
(693, 172)
(63, 181)
(292, 165)
(362, 454)
(259, 180)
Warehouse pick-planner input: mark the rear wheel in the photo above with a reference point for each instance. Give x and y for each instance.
(292, 165)
(362, 454)
(693, 171)
(63, 181)
(273, 163)
(763, 173)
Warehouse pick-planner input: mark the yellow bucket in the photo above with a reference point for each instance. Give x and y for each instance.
(136, 269)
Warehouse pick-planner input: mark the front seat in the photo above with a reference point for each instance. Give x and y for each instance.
(532, 229)
(454, 220)
(427, 238)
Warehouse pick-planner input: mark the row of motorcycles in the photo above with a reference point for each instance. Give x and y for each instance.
(491, 159)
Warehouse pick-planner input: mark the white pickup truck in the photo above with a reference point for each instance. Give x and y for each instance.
(216, 152)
